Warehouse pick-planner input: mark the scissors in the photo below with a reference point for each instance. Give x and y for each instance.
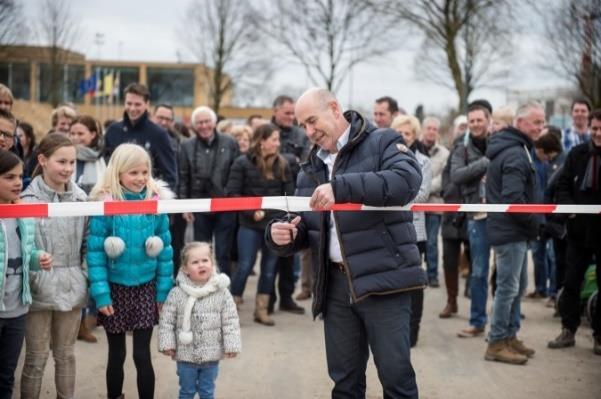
(288, 216)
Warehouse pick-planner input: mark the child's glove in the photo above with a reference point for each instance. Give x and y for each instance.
(154, 246)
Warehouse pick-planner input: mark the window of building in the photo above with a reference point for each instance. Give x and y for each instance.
(173, 86)
(16, 76)
(67, 87)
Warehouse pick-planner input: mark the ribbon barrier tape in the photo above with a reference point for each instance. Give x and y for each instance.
(295, 204)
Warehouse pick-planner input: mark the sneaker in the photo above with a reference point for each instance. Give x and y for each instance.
(519, 347)
(563, 340)
(597, 345)
(500, 351)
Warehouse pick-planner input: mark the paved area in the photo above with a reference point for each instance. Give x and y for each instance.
(288, 361)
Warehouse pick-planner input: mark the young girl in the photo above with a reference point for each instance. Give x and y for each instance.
(18, 255)
(86, 134)
(130, 265)
(199, 324)
(59, 294)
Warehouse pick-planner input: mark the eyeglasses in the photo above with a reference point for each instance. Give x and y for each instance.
(8, 135)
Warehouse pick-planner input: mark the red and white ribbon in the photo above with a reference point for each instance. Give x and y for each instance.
(293, 204)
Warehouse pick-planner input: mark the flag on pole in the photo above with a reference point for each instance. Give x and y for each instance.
(116, 86)
(108, 84)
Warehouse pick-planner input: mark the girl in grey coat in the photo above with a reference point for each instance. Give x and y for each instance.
(60, 293)
(199, 324)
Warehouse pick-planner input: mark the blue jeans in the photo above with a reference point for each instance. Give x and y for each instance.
(197, 378)
(480, 253)
(249, 243)
(12, 334)
(432, 229)
(544, 267)
(379, 323)
(222, 225)
(512, 261)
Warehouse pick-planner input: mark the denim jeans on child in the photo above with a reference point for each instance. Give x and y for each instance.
(511, 282)
(197, 378)
(249, 243)
(480, 253)
(432, 229)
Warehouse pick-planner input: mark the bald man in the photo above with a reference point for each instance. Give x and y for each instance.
(366, 262)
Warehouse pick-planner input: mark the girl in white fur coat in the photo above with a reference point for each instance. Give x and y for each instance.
(199, 324)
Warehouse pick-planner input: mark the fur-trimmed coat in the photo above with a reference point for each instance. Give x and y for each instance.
(214, 322)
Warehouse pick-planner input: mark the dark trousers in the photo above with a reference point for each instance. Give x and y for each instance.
(561, 258)
(222, 225)
(379, 323)
(285, 275)
(417, 303)
(12, 333)
(142, 361)
(178, 231)
(451, 249)
(579, 259)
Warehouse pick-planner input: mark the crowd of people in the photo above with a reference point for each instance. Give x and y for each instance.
(62, 276)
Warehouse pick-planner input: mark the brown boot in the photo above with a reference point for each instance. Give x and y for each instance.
(261, 316)
(91, 322)
(84, 333)
(519, 347)
(500, 351)
(451, 279)
(238, 301)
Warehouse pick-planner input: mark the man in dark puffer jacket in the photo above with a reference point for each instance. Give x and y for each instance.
(511, 179)
(365, 261)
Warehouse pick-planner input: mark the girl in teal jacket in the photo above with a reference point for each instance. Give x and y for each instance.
(130, 265)
(17, 256)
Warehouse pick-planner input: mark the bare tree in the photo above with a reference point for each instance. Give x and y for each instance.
(58, 31)
(573, 36)
(12, 27)
(466, 43)
(220, 34)
(329, 37)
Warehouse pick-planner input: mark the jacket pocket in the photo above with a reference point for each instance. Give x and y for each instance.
(390, 244)
(43, 285)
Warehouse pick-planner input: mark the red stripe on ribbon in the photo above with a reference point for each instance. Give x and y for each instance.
(344, 207)
(236, 203)
(435, 208)
(130, 207)
(24, 211)
(531, 208)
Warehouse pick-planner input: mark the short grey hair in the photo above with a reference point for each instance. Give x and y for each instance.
(524, 109)
(431, 119)
(203, 110)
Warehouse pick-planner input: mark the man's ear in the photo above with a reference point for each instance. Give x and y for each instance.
(335, 108)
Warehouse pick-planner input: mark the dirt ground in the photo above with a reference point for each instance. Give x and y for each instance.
(288, 361)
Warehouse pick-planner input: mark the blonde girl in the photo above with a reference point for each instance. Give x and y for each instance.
(58, 294)
(130, 265)
(199, 324)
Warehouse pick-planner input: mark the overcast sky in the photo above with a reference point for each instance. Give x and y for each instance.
(145, 30)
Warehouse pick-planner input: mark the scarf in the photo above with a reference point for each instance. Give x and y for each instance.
(93, 169)
(216, 282)
(593, 169)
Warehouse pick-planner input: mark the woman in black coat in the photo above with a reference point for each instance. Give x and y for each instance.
(262, 172)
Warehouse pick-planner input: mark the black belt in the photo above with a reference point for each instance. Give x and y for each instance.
(338, 266)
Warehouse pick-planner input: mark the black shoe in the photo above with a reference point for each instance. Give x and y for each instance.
(563, 340)
(434, 283)
(291, 306)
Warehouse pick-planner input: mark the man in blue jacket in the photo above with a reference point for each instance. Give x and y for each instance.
(137, 128)
(511, 179)
(364, 262)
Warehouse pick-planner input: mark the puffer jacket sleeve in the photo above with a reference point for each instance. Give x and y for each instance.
(98, 261)
(396, 182)
(165, 259)
(168, 323)
(230, 325)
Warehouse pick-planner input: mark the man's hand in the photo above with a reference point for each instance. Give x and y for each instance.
(169, 352)
(188, 217)
(283, 233)
(107, 310)
(230, 355)
(45, 260)
(323, 197)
